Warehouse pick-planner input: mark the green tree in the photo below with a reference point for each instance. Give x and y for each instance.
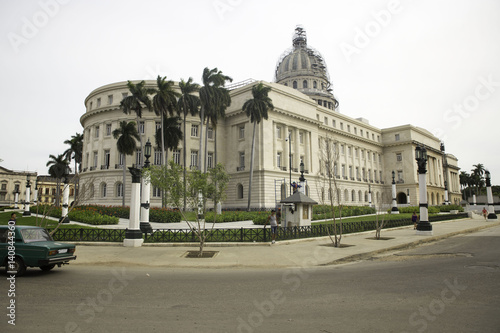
(214, 99)
(188, 103)
(58, 169)
(208, 185)
(75, 152)
(164, 105)
(139, 97)
(126, 135)
(171, 135)
(477, 176)
(465, 183)
(257, 109)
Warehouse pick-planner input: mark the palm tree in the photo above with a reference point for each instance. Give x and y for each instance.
(136, 101)
(187, 104)
(214, 99)
(477, 176)
(256, 109)
(75, 152)
(164, 104)
(59, 168)
(171, 136)
(126, 144)
(465, 182)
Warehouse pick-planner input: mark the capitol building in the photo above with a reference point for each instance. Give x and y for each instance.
(305, 112)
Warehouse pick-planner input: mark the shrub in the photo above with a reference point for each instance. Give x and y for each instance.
(447, 208)
(324, 211)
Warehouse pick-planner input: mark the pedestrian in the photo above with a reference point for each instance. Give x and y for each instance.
(414, 219)
(485, 212)
(13, 217)
(274, 225)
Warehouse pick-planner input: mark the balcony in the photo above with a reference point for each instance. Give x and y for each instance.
(92, 168)
(400, 181)
(295, 170)
(118, 166)
(240, 168)
(104, 167)
(283, 168)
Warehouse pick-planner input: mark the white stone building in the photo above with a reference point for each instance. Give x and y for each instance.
(305, 111)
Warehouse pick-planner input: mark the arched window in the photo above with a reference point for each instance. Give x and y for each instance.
(315, 84)
(240, 191)
(119, 190)
(353, 196)
(294, 84)
(304, 84)
(323, 195)
(346, 195)
(103, 190)
(360, 196)
(366, 196)
(91, 191)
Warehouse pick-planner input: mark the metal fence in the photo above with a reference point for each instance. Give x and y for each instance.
(235, 235)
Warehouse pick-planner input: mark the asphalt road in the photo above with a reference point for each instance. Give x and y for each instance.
(449, 286)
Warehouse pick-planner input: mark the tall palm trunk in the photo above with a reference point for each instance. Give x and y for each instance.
(141, 157)
(251, 167)
(184, 153)
(200, 153)
(206, 147)
(124, 167)
(164, 156)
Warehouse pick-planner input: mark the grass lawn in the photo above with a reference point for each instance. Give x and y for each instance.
(31, 220)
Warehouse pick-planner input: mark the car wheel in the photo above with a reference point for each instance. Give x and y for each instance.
(47, 267)
(17, 267)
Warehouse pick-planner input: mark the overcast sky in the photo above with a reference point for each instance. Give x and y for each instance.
(433, 64)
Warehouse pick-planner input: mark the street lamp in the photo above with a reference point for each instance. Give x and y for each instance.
(27, 201)
(302, 179)
(145, 226)
(290, 159)
(369, 195)
(491, 208)
(423, 227)
(394, 209)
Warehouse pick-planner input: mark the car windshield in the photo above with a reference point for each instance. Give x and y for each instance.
(35, 235)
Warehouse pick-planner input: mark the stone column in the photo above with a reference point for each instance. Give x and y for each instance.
(491, 209)
(394, 209)
(64, 210)
(27, 211)
(133, 235)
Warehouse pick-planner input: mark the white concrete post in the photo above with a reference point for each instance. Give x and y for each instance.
(133, 235)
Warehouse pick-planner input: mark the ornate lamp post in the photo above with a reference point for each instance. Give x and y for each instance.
(145, 226)
(302, 180)
(394, 209)
(491, 208)
(423, 227)
(408, 195)
(28, 193)
(35, 193)
(290, 159)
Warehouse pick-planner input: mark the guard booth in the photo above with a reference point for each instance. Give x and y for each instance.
(297, 210)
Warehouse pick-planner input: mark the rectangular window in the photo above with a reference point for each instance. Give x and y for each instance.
(399, 157)
(334, 123)
(342, 126)
(156, 192)
(87, 160)
(96, 132)
(98, 102)
(90, 107)
(210, 133)
(106, 158)
(301, 137)
(120, 160)
(124, 95)
(373, 137)
(361, 132)
(349, 151)
(242, 159)
(241, 131)
(350, 171)
(210, 160)
(355, 130)
(138, 157)
(369, 156)
(349, 128)
(326, 121)
(343, 170)
(356, 152)
(342, 149)
(95, 159)
(278, 159)
(375, 174)
(194, 158)
(290, 135)
(278, 132)
(194, 130)
(157, 160)
(157, 125)
(141, 127)
(357, 173)
(110, 99)
(396, 137)
(400, 175)
(176, 156)
(108, 129)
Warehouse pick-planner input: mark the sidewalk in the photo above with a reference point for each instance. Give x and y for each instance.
(290, 253)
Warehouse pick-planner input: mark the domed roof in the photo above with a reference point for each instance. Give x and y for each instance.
(304, 68)
(301, 60)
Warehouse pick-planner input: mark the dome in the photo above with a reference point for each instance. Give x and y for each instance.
(303, 68)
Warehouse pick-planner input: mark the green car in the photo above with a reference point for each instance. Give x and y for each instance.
(27, 246)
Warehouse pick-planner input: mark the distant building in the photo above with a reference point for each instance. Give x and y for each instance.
(12, 182)
(305, 113)
(47, 189)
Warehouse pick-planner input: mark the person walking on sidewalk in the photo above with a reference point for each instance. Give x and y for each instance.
(414, 219)
(485, 213)
(274, 225)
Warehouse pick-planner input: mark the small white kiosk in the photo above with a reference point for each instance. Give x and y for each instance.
(297, 210)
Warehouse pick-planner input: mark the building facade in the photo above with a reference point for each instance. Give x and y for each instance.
(304, 114)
